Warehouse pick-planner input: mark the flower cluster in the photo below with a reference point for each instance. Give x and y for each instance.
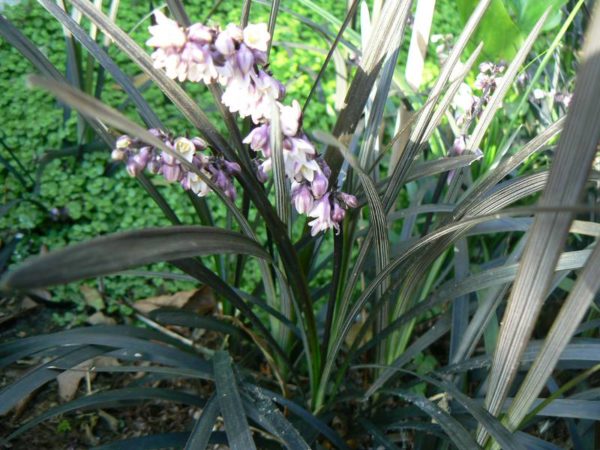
(468, 106)
(561, 98)
(489, 76)
(138, 156)
(236, 58)
(230, 57)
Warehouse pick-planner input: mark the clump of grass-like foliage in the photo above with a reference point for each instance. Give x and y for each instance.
(426, 225)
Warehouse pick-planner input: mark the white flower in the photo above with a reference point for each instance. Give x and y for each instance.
(539, 94)
(266, 165)
(185, 148)
(234, 32)
(257, 37)
(166, 32)
(321, 212)
(298, 157)
(463, 100)
(123, 142)
(197, 185)
(237, 96)
(290, 118)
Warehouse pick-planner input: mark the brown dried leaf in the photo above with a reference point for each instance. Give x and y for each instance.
(68, 381)
(99, 318)
(92, 297)
(200, 301)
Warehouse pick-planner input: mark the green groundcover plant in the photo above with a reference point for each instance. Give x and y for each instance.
(423, 274)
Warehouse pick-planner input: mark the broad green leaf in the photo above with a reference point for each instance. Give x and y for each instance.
(525, 13)
(501, 37)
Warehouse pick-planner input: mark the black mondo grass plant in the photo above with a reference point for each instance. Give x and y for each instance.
(425, 273)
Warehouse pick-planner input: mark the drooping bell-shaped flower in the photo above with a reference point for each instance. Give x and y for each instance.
(257, 37)
(302, 198)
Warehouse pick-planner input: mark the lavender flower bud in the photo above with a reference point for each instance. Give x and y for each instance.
(290, 118)
(348, 199)
(321, 212)
(338, 213)
(225, 44)
(200, 33)
(133, 168)
(139, 160)
(486, 67)
(259, 139)
(459, 146)
(235, 32)
(230, 193)
(144, 155)
(171, 172)
(232, 168)
(156, 133)
(319, 185)
(154, 164)
(221, 179)
(302, 199)
(244, 59)
(168, 159)
(199, 143)
(117, 154)
(261, 174)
